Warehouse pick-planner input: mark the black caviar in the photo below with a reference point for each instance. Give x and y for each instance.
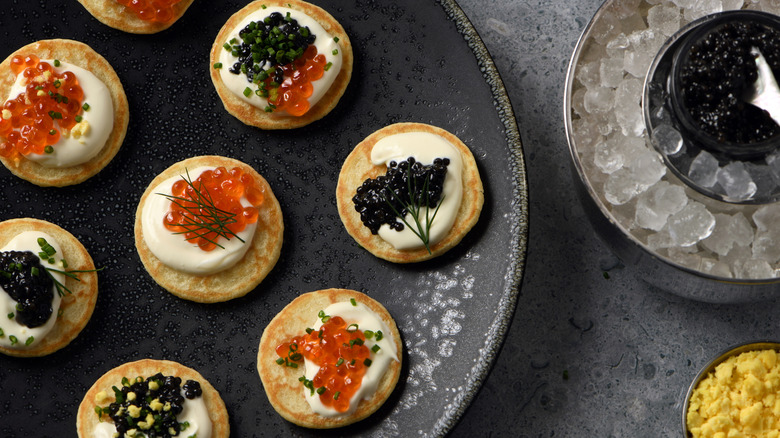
(719, 77)
(24, 278)
(267, 44)
(153, 406)
(383, 199)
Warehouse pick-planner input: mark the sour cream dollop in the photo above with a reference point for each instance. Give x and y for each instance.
(97, 123)
(366, 319)
(28, 241)
(174, 250)
(324, 43)
(424, 147)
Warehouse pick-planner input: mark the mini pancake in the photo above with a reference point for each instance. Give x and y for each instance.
(281, 384)
(258, 117)
(233, 282)
(113, 14)
(77, 307)
(358, 167)
(87, 419)
(82, 55)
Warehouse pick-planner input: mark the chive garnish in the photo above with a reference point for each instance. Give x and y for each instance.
(335, 51)
(280, 361)
(352, 328)
(13, 339)
(85, 107)
(247, 91)
(34, 271)
(379, 335)
(78, 119)
(367, 362)
(48, 149)
(352, 300)
(55, 115)
(336, 395)
(57, 84)
(375, 348)
(335, 39)
(217, 65)
(328, 66)
(309, 330)
(340, 361)
(52, 132)
(11, 315)
(321, 390)
(29, 340)
(227, 46)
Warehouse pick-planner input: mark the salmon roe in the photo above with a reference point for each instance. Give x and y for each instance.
(209, 208)
(31, 122)
(293, 93)
(160, 11)
(340, 352)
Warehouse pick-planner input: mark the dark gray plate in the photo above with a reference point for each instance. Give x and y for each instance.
(415, 60)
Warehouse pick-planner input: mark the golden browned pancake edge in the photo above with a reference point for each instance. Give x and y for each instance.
(77, 307)
(281, 383)
(258, 117)
(82, 55)
(236, 281)
(358, 167)
(112, 14)
(87, 419)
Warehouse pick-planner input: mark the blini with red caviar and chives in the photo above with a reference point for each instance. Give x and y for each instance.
(65, 113)
(209, 229)
(141, 17)
(281, 64)
(330, 358)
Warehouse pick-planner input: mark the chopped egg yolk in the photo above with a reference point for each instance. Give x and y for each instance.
(160, 11)
(340, 352)
(209, 208)
(33, 121)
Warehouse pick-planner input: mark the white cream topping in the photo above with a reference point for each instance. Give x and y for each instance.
(87, 137)
(366, 319)
(174, 250)
(28, 241)
(424, 147)
(194, 412)
(323, 42)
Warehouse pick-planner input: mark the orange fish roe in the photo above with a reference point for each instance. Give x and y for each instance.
(31, 122)
(209, 208)
(339, 350)
(160, 11)
(293, 94)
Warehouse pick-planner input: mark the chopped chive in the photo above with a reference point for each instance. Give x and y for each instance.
(247, 91)
(57, 84)
(263, 6)
(368, 334)
(326, 319)
(336, 395)
(320, 334)
(379, 335)
(309, 330)
(48, 149)
(352, 328)
(335, 51)
(321, 390)
(11, 315)
(52, 132)
(78, 119)
(280, 361)
(296, 356)
(217, 65)
(340, 361)
(85, 107)
(55, 115)
(367, 362)
(352, 362)
(352, 300)
(39, 87)
(34, 271)
(375, 348)
(335, 39)
(226, 46)
(328, 66)
(13, 339)
(233, 41)
(29, 340)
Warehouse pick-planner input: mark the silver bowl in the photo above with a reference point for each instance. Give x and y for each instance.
(655, 268)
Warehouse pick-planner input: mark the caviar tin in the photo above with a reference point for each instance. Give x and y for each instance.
(735, 350)
(691, 269)
(695, 34)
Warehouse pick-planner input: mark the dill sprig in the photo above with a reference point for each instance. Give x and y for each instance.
(47, 253)
(414, 206)
(202, 217)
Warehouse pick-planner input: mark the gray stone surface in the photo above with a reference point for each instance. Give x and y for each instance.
(593, 351)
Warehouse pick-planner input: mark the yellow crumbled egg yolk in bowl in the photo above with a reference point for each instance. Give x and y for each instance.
(739, 399)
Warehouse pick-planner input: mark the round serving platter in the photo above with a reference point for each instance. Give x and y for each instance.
(414, 62)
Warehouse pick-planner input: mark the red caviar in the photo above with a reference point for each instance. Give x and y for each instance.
(209, 208)
(29, 122)
(160, 11)
(343, 358)
(293, 93)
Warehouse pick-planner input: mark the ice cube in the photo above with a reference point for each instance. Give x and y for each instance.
(608, 155)
(628, 107)
(588, 74)
(665, 19)
(728, 231)
(617, 46)
(766, 245)
(654, 206)
(736, 181)
(767, 217)
(701, 8)
(599, 100)
(621, 187)
(729, 5)
(691, 224)
(611, 72)
(668, 139)
(704, 169)
(647, 168)
(757, 269)
(715, 267)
